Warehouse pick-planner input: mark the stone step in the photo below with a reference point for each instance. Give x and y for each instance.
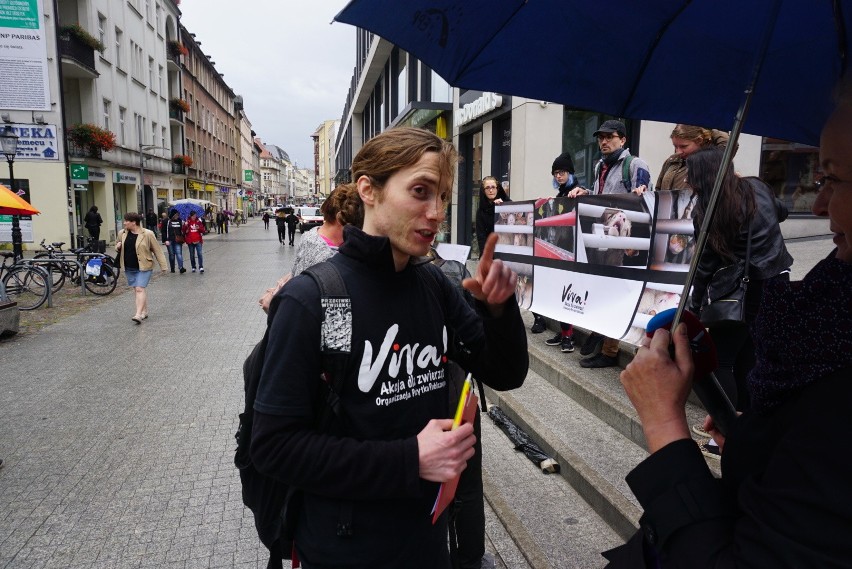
(549, 523)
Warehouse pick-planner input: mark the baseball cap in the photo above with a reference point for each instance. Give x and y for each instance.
(612, 126)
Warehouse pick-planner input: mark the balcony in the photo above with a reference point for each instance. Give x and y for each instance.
(77, 151)
(78, 59)
(176, 115)
(173, 61)
(178, 169)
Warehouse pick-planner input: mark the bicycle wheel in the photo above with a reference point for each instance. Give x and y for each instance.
(27, 286)
(105, 283)
(57, 274)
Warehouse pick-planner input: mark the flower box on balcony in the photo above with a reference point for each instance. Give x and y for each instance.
(92, 137)
(76, 31)
(176, 49)
(182, 160)
(179, 105)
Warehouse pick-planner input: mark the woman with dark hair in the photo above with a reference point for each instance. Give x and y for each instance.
(138, 247)
(744, 203)
(490, 194)
(93, 222)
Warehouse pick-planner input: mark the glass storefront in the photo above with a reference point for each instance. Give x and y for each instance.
(791, 169)
(469, 188)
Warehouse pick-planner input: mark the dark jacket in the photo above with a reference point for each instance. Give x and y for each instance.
(769, 256)
(783, 501)
(394, 384)
(93, 219)
(172, 228)
(485, 215)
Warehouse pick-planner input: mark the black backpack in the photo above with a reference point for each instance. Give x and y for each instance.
(275, 505)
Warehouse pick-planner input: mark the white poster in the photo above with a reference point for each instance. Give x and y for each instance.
(36, 141)
(607, 263)
(23, 56)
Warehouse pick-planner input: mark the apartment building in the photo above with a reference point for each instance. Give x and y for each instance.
(213, 139)
(324, 137)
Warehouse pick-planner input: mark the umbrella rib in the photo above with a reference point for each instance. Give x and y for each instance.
(650, 54)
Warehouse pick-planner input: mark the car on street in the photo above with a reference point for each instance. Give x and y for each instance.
(309, 217)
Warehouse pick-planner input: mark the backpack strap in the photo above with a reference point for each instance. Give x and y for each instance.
(625, 172)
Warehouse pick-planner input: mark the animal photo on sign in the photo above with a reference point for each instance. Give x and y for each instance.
(555, 221)
(614, 231)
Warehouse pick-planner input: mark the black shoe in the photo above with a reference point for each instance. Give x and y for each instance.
(592, 344)
(538, 326)
(566, 345)
(599, 360)
(182, 270)
(173, 270)
(554, 341)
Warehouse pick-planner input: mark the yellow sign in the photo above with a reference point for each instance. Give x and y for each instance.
(162, 193)
(193, 185)
(178, 194)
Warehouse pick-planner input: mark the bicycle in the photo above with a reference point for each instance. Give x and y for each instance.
(25, 284)
(66, 265)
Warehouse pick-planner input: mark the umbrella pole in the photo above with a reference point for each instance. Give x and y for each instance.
(727, 158)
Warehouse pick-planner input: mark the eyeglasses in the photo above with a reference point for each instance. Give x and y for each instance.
(828, 181)
(560, 172)
(609, 136)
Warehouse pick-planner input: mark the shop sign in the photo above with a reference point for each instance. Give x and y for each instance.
(162, 193)
(193, 185)
(475, 109)
(35, 141)
(225, 190)
(248, 175)
(96, 175)
(80, 173)
(178, 194)
(124, 178)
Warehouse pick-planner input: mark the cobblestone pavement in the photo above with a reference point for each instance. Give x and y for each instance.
(118, 438)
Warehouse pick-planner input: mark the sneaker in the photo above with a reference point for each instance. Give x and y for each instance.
(554, 341)
(592, 344)
(567, 344)
(599, 360)
(538, 326)
(488, 562)
(201, 270)
(699, 430)
(182, 270)
(710, 451)
(193, 269)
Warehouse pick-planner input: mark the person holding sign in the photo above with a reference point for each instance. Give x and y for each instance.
(370, 485)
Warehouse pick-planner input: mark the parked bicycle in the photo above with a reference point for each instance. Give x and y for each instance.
(25, 284)
(99, 273)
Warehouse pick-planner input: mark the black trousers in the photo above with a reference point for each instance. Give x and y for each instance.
(467, 513)
(291, 234)
(281, 230)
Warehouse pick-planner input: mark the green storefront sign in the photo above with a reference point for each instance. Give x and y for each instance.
(20, 14)
(248, 175)
(79, 173)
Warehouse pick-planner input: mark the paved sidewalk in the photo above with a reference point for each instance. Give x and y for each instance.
(118, 438)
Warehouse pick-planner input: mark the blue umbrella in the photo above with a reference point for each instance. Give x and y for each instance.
(676, 61)
(185, 208)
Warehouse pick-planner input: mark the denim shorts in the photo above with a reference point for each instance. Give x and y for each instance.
(137, 278)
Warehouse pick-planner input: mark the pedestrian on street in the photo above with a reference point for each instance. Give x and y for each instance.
(292, 220)
(395, 445)
(266, 220)
(93, 223)
(220, 223)
(193, 230)
(138, 247)
(151, 221)
(174, 239)
(281, 225)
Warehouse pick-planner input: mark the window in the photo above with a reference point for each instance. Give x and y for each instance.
(151, 79)
(154, 132)
(160, 79)
(119, 37)
(157, 15)
(163, 137)
(122, 135)
(441, 92)
(102, 24)
(148, 10)
(107, 106)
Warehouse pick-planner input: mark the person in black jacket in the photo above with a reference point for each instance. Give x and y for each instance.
(490, 194)
(93, 222)
(783, 500)
(743, 203)
(381, 465)
(174, 239)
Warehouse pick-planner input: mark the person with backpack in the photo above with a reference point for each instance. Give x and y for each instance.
(174, 240)
(616, 172)
(368, 479)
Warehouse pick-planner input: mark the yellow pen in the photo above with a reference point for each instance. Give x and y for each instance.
(462, 400)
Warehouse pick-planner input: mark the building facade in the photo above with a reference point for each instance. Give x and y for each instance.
(212, 130)
(324, 137)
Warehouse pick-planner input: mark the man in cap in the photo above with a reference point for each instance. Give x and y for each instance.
(610, 179)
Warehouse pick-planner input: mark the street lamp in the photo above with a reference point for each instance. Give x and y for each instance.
(9, 142)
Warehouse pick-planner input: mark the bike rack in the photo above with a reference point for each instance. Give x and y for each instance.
(50, 261)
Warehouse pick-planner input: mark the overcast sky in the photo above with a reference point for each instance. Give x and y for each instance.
(291, 66)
